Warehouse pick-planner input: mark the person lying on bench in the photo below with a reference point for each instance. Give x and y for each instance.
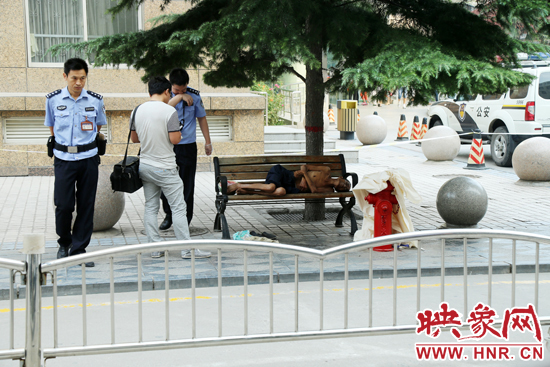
(280, 181)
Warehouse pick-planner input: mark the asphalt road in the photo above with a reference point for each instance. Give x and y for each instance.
(390, 350)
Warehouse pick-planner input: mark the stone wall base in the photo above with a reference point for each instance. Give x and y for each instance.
(48, 171)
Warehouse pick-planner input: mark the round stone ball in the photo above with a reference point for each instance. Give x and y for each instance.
(444, 147)
(326, 122)
(462, 202)
(109, 204)
(531, 159)
(371, 130)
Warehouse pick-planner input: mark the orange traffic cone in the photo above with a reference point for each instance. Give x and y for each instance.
(476, 160)
(402, 132)
(416, 129)
(358, 116)
(331, 116)
(424, 127)
(423, 131)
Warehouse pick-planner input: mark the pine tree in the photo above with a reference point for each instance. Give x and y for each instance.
(423, 45)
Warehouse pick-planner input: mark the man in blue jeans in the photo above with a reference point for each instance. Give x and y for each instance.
(157, 128)
(402, 97)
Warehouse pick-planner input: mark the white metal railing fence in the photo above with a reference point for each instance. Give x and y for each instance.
(13, 268)
(266, 111)
(36, 272)
(294, 102)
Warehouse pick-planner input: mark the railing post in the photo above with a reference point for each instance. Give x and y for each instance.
(266, 105)
(292, 107)
(33, 246)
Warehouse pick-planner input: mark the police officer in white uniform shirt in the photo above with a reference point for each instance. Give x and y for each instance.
(74, 116)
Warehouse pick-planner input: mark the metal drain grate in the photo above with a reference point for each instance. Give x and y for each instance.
(193, 231)
(454, 176)
(298, 216)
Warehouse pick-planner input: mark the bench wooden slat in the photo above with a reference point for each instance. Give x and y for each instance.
(246, 176)
(226, 161)
(266, 167)
(291, 196)
(259, 175)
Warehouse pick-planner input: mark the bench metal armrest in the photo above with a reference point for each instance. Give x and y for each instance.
(354, 178)
(223, 181)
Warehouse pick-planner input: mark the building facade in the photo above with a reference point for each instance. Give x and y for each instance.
(28, 72)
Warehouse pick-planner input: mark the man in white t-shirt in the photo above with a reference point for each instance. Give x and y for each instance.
(157, 128)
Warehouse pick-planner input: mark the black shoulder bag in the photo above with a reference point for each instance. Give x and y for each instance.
(125, 176)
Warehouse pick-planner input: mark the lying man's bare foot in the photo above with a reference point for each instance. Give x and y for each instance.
(233, 188)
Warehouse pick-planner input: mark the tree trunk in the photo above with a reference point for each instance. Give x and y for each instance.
(315, 94)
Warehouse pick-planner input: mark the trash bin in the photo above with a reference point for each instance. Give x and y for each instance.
(347, 118)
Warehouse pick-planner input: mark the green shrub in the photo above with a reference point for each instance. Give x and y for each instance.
(275, 100)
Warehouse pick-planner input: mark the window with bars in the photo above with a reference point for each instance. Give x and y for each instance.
(219, 128)
(31, 131)
(52, 22)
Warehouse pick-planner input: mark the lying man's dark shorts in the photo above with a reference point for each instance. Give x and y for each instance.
(282, 177)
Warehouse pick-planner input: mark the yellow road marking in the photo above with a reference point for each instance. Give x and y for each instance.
(177, 299)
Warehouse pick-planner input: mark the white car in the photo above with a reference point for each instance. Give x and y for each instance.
(504, 119)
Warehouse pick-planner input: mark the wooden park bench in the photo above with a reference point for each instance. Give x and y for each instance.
(253, 169)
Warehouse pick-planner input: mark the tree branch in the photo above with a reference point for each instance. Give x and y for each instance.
(390, 2)
(291, 69)
(349, 2)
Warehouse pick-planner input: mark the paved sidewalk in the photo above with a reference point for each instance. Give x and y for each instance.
(26, 206)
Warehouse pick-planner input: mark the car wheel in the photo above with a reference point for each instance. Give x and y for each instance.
(502, 147)
(437, 122)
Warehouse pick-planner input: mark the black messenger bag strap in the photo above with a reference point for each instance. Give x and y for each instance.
(132, 124)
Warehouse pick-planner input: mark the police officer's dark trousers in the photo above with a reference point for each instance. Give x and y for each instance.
(186, 159)
(75, 180)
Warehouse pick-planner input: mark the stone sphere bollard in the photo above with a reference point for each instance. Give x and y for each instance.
(462, 202)
(326, 122)
(109, 204)
(445, 147)
(371, 130)
(531, 159)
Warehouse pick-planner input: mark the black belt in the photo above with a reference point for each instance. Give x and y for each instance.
(76, 149)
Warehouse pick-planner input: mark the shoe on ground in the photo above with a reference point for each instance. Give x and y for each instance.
(269, 235)
(157, 254)
(89, 264)
(167, 223)
(63, 252)
(186, 254)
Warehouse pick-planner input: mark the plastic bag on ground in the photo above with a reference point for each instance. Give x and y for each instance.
(241, 235)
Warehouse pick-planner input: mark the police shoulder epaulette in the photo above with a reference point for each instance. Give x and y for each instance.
(98, 96)
(54, 93)
(194, 91)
